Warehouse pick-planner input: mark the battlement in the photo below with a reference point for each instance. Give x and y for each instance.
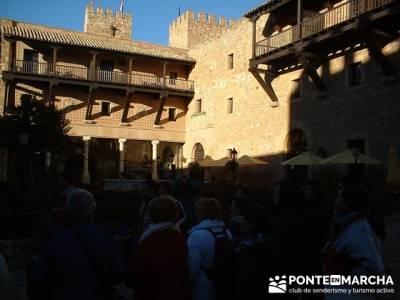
(108, 23)
(191, 28)
(201, 18)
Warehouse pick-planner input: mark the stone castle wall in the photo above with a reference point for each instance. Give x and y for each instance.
(102, 22)
(367, 111)
(190, 28)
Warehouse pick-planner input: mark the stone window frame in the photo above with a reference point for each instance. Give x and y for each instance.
(229, 105)
(172, 114)
(105, 108)
(231, 61)
(349, 76)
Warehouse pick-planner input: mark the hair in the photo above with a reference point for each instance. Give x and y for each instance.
(317, 190)
(208, 208)
(356, 196)
(81, 204)
(240, 203)
(166, 186)
(260, 217)
(163, 209)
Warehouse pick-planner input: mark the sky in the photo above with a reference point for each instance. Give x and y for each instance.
(151, 18)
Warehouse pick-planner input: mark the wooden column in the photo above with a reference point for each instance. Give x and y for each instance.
(165, 74)
(54, 64)
(92, 71)
(299, 16)
(6, 96)
(254, 36)
(130, 70)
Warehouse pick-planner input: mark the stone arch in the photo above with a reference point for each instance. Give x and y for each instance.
(198, 152)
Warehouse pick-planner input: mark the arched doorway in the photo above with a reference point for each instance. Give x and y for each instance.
(296, 144)
(198, 152)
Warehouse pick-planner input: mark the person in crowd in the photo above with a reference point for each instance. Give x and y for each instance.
(5, 281)
(356, 248)
(257, 253)
(290, 225)
(159, 264)
(79, 262)
(202, 243)
(318, 213)
(238, 207)
(163, 189)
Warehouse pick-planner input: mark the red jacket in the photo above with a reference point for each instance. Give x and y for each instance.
(159, 267)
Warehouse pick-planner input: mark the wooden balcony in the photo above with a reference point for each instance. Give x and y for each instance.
(315, 25)
(107, 78)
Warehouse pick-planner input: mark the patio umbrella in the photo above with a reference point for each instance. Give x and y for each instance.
(393, 175)
(246, 160)
(221, 162)
(349, 157)
(207, 162)
(303, 159)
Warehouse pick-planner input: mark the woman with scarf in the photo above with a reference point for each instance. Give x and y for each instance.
(158, 267)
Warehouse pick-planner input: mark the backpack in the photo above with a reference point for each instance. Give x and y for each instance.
(222, 272)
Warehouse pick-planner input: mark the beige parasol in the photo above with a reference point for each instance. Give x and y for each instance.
(303, 159)
(349, 157)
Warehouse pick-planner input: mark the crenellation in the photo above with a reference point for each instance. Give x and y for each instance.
(202, 17)
(107, 23)
(192, 28)
(109, 12)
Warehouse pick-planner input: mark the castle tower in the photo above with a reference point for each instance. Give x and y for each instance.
(108, 23)
(190, 29)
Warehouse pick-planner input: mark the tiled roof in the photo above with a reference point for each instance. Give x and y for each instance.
(265, 7)
(80, 39)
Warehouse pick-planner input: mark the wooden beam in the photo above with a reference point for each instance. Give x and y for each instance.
(6, 96)
(90, 102)
(163, 98)
(267, 84)
(51, 93)
(254, 35)
(127, 105)
(376, 53)
(311, 70)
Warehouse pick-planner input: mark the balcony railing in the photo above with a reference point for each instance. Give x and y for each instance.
(315, 24)
(103, 76)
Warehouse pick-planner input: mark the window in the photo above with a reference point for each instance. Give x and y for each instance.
(173, 77)
(230, 105)
(172, 114)
(105, 108)
(31, 59)
(296, 88)
(198, 106)
(354, 74)
(230, 61)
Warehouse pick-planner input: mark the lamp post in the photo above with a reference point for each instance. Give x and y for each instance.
(356, 154)
(232, 163)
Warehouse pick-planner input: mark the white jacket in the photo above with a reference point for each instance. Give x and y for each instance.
(360, 243)
(201, 246)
